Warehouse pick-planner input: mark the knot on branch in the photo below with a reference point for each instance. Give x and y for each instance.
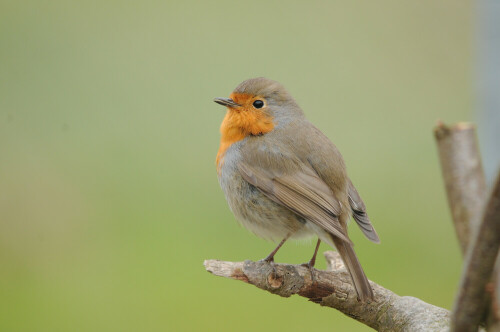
(287, 280)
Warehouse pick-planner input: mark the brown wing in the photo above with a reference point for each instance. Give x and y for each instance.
(359, 214)
(303, 192)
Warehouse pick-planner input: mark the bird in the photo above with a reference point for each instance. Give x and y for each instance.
(284, 179)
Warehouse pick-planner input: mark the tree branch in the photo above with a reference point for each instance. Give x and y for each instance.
(471, 304)
(493, 288)
(466, 190)
(389, 311)
(463, 177)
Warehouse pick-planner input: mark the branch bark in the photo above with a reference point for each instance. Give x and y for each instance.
(471, 302)
(463, 177)
(493, 288)
(389, 311)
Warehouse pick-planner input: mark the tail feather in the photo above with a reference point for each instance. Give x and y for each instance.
(361, 284)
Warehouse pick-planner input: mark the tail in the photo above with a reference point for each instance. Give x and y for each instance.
(361, 284)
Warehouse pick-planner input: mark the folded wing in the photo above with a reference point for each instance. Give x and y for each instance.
(303, 192)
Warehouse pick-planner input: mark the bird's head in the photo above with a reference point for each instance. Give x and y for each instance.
(257, 106)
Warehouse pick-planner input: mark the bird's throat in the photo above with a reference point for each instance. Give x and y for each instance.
(237, 125)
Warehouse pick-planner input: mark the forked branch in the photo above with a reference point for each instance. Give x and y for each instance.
(471, 302)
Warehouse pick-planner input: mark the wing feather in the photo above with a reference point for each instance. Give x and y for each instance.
(360, 216)
(302, 192)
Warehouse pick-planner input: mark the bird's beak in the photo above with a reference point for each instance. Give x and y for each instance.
(226, 102)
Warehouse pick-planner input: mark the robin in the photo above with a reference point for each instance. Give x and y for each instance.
(283, 178)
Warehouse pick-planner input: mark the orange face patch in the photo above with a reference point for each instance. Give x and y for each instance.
(242, 121)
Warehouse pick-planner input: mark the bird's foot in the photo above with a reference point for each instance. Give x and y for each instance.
(310, 266)
(270, 260)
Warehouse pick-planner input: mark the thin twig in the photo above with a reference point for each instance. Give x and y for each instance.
(389, 311)
(493, 289)
(463, 177)
(471, 302)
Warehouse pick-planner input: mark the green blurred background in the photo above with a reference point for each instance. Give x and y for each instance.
(109, 200)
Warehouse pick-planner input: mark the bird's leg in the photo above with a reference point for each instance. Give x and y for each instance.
(310, 264)
(270, 257)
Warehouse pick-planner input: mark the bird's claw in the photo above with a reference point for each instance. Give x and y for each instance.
(311, 268)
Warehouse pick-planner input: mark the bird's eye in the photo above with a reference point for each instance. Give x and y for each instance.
(258, 103)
